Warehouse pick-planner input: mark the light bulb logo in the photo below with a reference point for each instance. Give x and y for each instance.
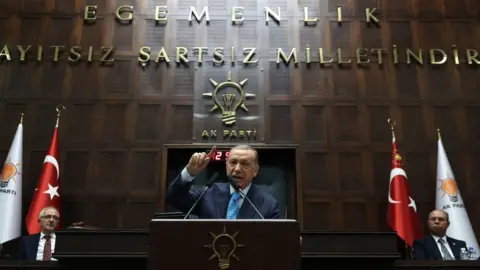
(449, 187)
(229, 103)
(224, 246)
(9, 172)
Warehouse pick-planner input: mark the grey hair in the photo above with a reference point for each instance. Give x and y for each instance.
(42, 213)
(440, 210)
(247, 147)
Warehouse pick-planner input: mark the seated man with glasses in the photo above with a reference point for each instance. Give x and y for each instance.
(40, 246)
(223, 200)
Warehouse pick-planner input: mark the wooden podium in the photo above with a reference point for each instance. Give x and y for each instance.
(224, 244)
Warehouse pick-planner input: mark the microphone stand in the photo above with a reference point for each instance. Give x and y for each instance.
(196, 202)
(207, 186)
(249, 201)
(232, 182)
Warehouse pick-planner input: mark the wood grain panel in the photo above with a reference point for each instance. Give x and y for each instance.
(119, 116)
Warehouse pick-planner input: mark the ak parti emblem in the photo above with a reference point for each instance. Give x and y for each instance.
(9, 171)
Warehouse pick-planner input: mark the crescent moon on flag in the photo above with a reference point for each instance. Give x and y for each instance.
(54, 162)
(395, 172)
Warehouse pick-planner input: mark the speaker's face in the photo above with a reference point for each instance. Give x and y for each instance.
(242, 165)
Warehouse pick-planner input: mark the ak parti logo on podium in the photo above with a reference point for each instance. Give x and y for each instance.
(224, 246)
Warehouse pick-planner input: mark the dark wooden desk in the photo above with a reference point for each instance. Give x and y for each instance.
(128, 249)
(373, 264)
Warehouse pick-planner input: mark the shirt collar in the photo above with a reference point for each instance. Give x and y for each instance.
(437, 238)
(52, 235)
(245, 190)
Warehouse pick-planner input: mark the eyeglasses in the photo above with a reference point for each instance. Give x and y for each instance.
(50, 217)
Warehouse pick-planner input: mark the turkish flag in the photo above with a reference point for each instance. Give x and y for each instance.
(47, 192)
(402, 215)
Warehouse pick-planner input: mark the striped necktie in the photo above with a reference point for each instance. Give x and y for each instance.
(445, 253)
(233, 209)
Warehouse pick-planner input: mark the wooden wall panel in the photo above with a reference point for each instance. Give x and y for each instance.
(120, 115)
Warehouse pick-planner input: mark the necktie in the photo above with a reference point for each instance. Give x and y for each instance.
(446, 254)
(232, 210)
(47, 249)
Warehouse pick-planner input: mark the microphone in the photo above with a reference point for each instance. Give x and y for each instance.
(210, 182)
(232, 182)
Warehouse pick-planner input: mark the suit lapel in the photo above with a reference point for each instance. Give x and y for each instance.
(247, 211)
(33, 246)
(454, 247)
(433, 246)
(222, 196)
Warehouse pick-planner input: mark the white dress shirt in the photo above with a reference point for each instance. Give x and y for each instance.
(186, 177)
(436, 238)
(41, 246)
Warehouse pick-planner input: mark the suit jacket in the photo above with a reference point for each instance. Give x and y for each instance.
(214, 202)
(427, 248)
(29, 247)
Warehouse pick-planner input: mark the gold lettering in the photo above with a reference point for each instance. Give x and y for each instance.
(433, 53)
(198, 18)
(124, 9)
(362, 56)
(339, 14)
(56, 51)
(237, 11)
(39, 53)
(307, 54)
(306, 19)
(250, 53)
(75, 55)
(161, 14)
(236, 134)
(23, 52)
(370, 17)
(285, 59)
(456, 57)
(395, 54)
(90, 54)
(162, 54)
(205, 134)
(5, 52)
(322, 58)
(340, 58)
(380, 52)
(90, 14)
(275, 16)
(107, 51)
(472, 57)
(418, 57)
(144, 54)
(200, 53)
(218, 57)
(181, 55)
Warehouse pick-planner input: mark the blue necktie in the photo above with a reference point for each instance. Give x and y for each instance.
(232, 210)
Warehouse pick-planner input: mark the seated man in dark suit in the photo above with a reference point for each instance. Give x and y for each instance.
(222, 200)
(438, 246)
(40, 246)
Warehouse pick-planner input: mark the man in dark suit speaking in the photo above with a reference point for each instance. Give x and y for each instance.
(224, 200)
(438, 246)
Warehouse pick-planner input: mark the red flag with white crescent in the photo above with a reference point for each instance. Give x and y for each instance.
(402, 215)
(47, 192)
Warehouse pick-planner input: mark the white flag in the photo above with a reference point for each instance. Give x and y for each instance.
(11, 190)
(449, 199)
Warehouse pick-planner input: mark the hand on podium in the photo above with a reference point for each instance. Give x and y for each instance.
(199, 161)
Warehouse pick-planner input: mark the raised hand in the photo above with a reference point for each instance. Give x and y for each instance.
(199, 161)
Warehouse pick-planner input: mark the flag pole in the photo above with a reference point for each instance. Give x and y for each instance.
(60, 108)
